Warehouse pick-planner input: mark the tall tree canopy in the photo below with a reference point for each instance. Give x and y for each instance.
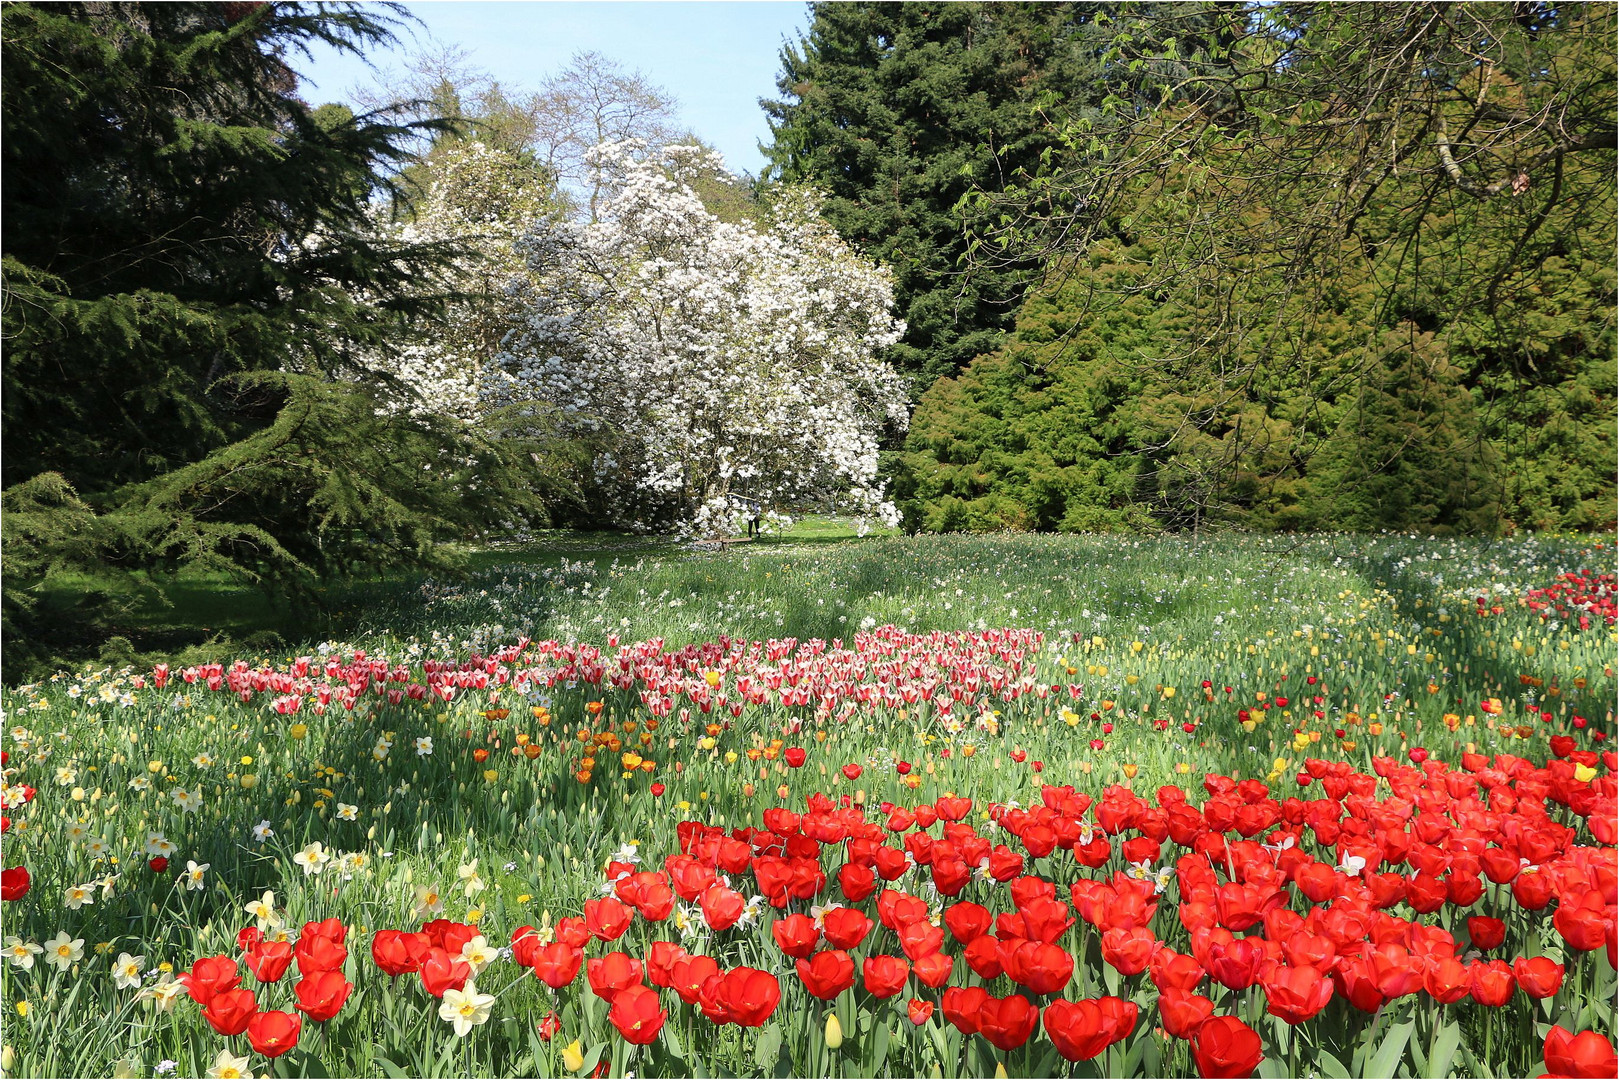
(1355, 261)
(192, 267)
(897, 110)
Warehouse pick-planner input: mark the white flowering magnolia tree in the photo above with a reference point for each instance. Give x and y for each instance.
(705, 360)
(484, 200)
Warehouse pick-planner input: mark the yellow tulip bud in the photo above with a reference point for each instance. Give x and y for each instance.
(572, 1059)
(834, 1031)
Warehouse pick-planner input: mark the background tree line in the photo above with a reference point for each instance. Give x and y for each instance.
(1279, 265)
(1161, 266)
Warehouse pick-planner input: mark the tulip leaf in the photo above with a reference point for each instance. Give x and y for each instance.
(768, 1047)
(1443, 1053)
(1328, 1066)
(671, 1042)
(1387, 1058)
(390, 1069)
(879, 1050)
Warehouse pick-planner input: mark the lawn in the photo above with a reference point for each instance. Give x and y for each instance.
(500, 752)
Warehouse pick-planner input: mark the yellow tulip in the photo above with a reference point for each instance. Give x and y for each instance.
(834, 1032)
(572, 1059)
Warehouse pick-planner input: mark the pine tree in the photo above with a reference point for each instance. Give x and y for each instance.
(898, 110)
(192, 268)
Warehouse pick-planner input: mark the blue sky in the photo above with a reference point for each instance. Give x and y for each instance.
(717, 58)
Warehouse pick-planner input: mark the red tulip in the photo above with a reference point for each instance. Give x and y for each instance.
(1182, 1012)
(796, 935)
(984, 957)
(572, 930)
(933, 970)
(274, 1033)
(921, 938)
(525, 943)
(332, 929)
(228, 1011)
(1226, 1047)
(637, 1014)
(1584, 925)
(1584, 1055)
(1447, 979)
(1042, 968)
(607, 918)
(919, 1011)
(747, 995)
(845, 928)
(857, 882)
(688, 975)
(1007, 1022)
(316, 953)
(794, 756)
(1295, 994)
(556, 965)
(961, 1005)
(1080, 1030)
(612, 973)
(210, 975)
(1538, 976)
(967, 921)
(884, 976)
(1129, 951)
(321, 996)
(440, 972)
(1485, 933)
(827, 974)
(390, 953)
(1493, 983)
(269, 960)
(14, 882)
(660, 963)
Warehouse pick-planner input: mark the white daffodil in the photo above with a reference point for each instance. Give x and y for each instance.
(76, 896)
(192, 878)
(227, 1066)
(478, 954)
(347, 811)
(313, 858)
(471, 883)
(262, 831)
(263, 909)
(64, 951)
(465, 1008)
(157, 844)
(424, 746)
(428, 901)
(165, 992)
(1352, 864)
(626, 853)
(21, 953)
(126, 971)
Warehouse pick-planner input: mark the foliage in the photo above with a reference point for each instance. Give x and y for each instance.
(192, 273)
(704, 359)
(1317, 330)
(897, 111)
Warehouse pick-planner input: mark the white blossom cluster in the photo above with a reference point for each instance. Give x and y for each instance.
(702, 359)
(484, 199)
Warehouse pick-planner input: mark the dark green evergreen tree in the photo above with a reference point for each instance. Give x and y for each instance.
(897, 110)
(192, 264)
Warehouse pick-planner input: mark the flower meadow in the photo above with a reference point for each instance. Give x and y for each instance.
(940, 806)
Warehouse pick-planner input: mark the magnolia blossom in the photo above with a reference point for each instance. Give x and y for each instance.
(704, 360)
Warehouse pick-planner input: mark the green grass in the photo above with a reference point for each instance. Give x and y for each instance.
(1385, 624)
